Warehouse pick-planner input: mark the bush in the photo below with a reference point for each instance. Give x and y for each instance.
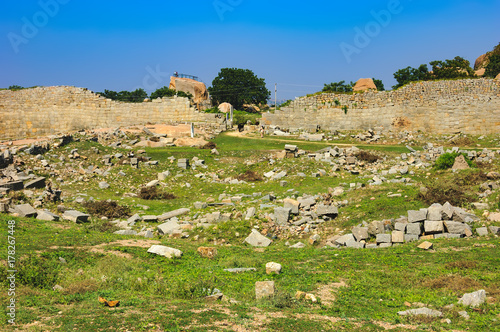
(447, 160)
(366, 156)
(249, 176)
(149, 193)
(109, 209)
(445, 192)
(37, 272)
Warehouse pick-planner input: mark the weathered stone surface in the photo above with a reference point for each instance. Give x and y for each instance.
(46, 215)
(250, 213)
(240, 269)
(25, 210)
(38, 183)
(421, 312)
(494, 216)
(431, 227)
(411, 237)
(417, 215)
(460, 163)
(298, 245)
(398, 237)
(434, 212)
(174, 213)
(384, 238)
(455, 227)
(257, 240)
(473, 299)
(327, 210)
(195, 88)
(291, 204)
(264, 289)
(414, 229)
(273, 267)
(494, 230)
(344, 238)
(125, 232)
(360, 233)
(103, 185)
(376, 227)
(75, 216)
(164, 251)
(364, 84)
(282, 215)
(400, 226)
(354, 244)
(168, 227)
(225, 107)
(426, 245)
(13, 185)
(482, 231)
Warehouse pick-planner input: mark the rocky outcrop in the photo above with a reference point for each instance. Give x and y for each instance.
(481, 61)
(364, 84)
(188, 85)
(225, 107)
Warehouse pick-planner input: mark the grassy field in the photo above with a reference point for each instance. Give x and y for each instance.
(357, 290)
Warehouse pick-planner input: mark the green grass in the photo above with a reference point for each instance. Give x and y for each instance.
(168, 295)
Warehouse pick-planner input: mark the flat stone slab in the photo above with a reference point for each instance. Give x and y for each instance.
(421, 312)
(35, 183)
(169, 227)
(384, 238)
(164, 251)
(241, 269)
(46, 215)
(125, 232)
(433, 226)
(327, 210)
(281, 215)
(75, 216)
(417, 215)
(257, 240)
(25, 210)
(473, 299)
(482, 231)
(174, 213)
(264, 289)
(13, 185)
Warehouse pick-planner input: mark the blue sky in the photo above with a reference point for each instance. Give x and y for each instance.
(124, 45)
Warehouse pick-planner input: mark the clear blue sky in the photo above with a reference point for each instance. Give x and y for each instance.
(300, 45)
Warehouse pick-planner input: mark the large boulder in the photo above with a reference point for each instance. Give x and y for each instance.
(480, 72)
(197, 89)
(498, 77)
(364, 84)
(225, 107)
(481, 61)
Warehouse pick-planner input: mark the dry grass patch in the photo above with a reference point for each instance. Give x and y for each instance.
(249, 176)
(455, 283)
(149, 193)
(109, 209)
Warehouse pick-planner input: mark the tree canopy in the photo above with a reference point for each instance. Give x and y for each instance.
(493, 67)
(447, 69)
(167, 92)
(379, 84)
(136, 96)
(237, 87)
(338, 87)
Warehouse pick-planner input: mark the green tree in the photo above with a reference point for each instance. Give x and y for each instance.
(379, 84)
(409, 74)
(237, 87)
(166, 92)
(136, 96)
(449, 69)
(493, 67)
(338, 87)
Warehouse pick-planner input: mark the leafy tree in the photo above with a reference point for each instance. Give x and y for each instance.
(15, 87)
(379, 84)
(448, 69)
(493, 66)
(166, 92)
(409, 74)
(338, 87)
(237, 87)
(136, 96)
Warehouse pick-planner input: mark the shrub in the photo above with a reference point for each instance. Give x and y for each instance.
(37, 272)
(442, 192)
(366, 156)
(447, 160)
(149, 193)
(209, 146)
(109, 209)
(249, 176)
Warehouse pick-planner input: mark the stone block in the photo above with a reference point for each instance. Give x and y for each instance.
(164, 251)
(273, 267)
(327, 210)
(282, 215)
(291, 204)
(397, 237)
(360, 233)
(46, 215)
(37, 183)
(25, 210)
(411, 237)
(384, 238)
(75, 216)
(376, 227)
(344, 239)
(168, 228)
(482, 231)
(264, 289)
(417, 215)
(434, 212)
(400, 226)
(414, 229)
(257, 240)
(354, 244)
(431, 226)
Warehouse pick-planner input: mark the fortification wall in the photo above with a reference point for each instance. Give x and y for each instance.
(51, 110)
(469, 106)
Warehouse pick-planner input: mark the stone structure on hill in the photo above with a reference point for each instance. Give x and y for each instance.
(188, 85)
(364, 84)
(469, 106)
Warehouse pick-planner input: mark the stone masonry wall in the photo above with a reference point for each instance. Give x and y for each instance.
(470, 106)
(51, 110)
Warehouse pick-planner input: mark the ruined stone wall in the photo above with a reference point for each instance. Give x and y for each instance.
(470, 106)
(51, 110)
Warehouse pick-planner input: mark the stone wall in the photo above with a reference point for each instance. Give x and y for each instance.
(51, 110)
(470, 106)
